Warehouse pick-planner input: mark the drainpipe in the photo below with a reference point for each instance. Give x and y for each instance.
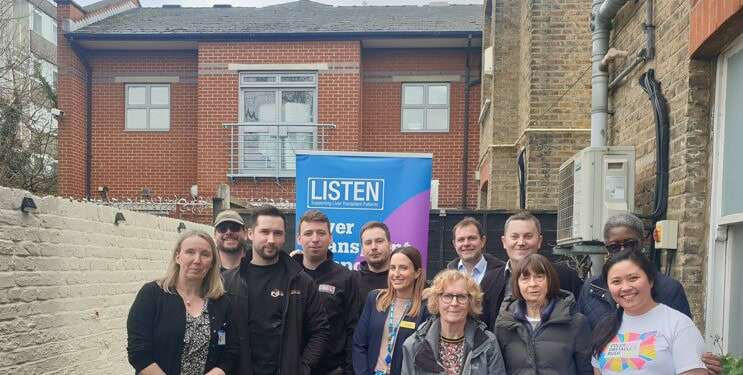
(602, 13)
(466, 146)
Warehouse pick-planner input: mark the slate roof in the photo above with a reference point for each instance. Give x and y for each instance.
(298, 17)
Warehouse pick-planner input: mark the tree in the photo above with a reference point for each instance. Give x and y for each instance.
(28, 133)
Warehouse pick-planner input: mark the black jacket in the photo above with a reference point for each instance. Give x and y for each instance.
(493, 297)
(340, 297)
(494, 267)
(561, 344)
(157, 324)
(596, 303)
(369, 280)
(305, 329)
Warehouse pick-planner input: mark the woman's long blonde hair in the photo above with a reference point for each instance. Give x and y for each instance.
(211, 286)
(387, 296)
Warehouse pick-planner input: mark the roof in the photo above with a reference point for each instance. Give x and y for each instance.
(289, 19)
(99, 5)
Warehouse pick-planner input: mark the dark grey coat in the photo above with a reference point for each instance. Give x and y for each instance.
(561, 344)
(482, 355)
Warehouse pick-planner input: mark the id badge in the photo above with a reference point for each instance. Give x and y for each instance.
(221, 337)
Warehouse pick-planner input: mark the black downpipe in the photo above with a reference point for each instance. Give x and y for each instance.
(466, 146)
(662, 158)
(522, 178)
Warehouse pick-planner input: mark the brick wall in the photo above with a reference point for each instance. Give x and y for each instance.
(339, 103)
(68, 276)
(382, 114)
(164, 161)
(71, 94)
(687, 85)
(541, 98)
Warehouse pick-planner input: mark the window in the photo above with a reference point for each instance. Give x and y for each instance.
(425, 107)
(44, 25)
(147, 107)
(283, 109)
(38, 25)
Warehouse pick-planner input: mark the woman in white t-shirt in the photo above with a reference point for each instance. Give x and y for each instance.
(644, 337)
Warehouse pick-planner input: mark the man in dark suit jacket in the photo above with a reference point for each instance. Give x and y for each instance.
(522, 236)
(469, 239)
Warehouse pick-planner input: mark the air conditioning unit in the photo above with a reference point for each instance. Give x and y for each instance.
(596, 183)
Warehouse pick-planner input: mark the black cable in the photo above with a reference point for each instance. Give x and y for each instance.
(662, 155)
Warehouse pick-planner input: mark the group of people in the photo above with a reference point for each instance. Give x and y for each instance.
(226, 308)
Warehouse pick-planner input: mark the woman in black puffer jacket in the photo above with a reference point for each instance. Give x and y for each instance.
(538, 328)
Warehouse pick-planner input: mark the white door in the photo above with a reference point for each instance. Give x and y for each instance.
(724, 300)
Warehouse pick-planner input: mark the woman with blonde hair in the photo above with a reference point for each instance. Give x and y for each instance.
(453, 341)
(390, 315)
(179, 324)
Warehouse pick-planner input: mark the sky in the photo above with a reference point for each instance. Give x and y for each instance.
(260, 3)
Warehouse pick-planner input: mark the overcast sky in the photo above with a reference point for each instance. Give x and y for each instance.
(260, 3)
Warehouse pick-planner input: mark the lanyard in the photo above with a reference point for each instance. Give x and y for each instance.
(393, 327)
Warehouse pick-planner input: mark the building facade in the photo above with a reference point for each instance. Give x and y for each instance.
(698, 61)
(200, 96)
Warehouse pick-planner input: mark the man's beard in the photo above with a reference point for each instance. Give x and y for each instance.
(262, 252)
(377, 264)
(233, 250)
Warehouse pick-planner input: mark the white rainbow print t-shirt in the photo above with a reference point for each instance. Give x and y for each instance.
(662, 341)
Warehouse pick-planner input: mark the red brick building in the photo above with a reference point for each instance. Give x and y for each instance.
(166, 98)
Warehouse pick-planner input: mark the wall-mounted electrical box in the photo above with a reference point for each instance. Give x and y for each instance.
(596, 183)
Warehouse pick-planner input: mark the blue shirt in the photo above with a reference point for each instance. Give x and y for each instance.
(478, 272)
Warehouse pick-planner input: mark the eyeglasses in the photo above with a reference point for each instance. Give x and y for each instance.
(449, 298)
(232, 227)
(627, 244)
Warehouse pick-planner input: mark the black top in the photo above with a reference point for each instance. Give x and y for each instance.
(265, 291)
(339, 294)
(156, 328)
(369, 280)
(305, 330)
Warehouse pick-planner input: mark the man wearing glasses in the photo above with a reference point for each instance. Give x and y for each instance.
(625, 231)
(229, 235)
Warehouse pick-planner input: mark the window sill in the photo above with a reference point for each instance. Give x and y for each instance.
(424, 131)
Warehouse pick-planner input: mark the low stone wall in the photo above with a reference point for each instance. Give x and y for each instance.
(68, 276)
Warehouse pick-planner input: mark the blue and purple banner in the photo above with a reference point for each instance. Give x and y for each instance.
(352, 188)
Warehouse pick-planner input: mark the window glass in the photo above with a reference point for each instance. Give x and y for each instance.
(38, 26)
(425, 107)
(438, 95)
(160, 95)
(732, 176)
(259, 79)
(159, 118)
(437, 119)
(298, 78)
(260, 106)
(137, 95)
(296, 106)
(412, 119)
(136, 118)
(412, 95)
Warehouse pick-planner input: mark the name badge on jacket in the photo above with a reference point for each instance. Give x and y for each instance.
(407, 324)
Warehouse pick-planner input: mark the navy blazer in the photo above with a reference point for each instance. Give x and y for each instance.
(368, 336)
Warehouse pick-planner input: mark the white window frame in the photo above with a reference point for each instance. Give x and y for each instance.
(425, 107)
(148, 106)
(278, 86)
(719, 288)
